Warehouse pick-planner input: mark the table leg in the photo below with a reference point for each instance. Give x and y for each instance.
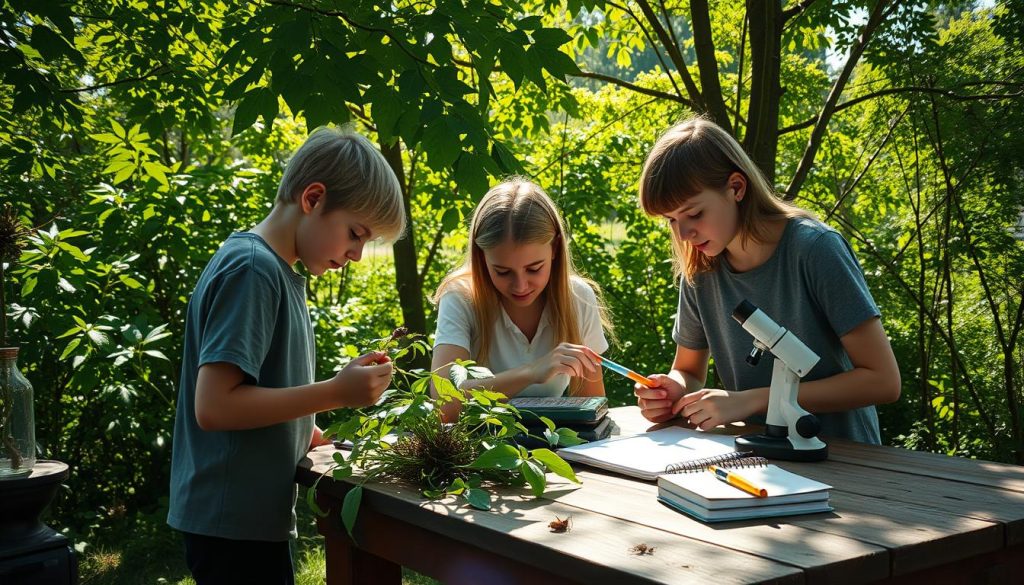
(347, 564)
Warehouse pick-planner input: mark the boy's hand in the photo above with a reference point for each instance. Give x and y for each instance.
(656, 402)
(364, 379)
(318, 438)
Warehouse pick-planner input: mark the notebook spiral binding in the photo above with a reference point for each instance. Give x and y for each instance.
(737, 460)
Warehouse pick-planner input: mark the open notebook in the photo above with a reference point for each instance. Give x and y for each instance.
(651, 454)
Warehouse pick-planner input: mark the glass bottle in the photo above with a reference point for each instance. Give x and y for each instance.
(17, 419)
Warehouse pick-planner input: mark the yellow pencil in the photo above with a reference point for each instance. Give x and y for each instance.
(737, 481)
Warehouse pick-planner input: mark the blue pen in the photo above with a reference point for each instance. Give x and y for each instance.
(618, 369)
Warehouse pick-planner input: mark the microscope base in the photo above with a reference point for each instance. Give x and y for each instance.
(779, 448)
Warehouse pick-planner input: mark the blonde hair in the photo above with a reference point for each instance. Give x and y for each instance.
(518, 210)
(355, 175)
(695, 155)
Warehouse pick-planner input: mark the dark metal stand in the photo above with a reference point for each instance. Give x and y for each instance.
(30, 551)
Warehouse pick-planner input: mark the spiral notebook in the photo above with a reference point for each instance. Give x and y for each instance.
(705, 497)
(648, 455)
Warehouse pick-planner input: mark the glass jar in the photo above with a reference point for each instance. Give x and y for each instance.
(17, 419)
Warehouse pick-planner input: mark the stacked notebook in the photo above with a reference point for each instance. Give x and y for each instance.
(678, 459)
(587, 415)
(699, 493)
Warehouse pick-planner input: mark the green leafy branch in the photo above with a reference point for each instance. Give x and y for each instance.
(404, 436)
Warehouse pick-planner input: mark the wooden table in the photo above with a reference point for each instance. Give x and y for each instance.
(900, 517)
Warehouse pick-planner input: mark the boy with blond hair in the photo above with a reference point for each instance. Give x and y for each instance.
(247, 398)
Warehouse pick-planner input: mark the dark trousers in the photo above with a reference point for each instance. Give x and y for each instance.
(222, 561)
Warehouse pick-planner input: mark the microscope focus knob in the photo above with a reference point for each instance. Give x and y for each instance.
(808, 426)
(755, 356)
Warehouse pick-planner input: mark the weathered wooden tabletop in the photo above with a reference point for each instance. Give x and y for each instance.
(900, 515)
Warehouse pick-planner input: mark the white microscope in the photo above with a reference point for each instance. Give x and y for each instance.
(791, 432)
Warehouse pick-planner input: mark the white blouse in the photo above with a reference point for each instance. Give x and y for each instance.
(457, 325)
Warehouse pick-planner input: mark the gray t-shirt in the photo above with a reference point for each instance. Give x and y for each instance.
(811, 285)
(248, 309)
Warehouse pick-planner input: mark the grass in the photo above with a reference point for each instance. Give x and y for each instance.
(147, 551)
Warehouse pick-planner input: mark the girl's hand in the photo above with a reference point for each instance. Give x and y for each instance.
(656, 402)
(710, 407)
(574, 360)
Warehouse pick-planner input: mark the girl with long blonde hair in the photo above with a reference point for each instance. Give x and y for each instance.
(517, 305)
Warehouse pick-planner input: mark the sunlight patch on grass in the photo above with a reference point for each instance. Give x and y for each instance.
(97, 566)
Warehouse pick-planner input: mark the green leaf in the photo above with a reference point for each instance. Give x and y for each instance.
(535, 476)
(512, 60)
(71, 346)
(116, 166)
(157, 172)
(247, 111)
(552, 37)
(350, 508)
(441, 144)
(311, 501)
(158, 332)
(52, 46)
(502, 456)
(124, 173)
(568, 438)
(156, 353)
(554, 463)
(470, 174)
(73, 250)
(106, 137)
(458, 374)
(130, 282)
(478, 498)
(97, 337)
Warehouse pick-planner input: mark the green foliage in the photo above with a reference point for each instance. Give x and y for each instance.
(136, 140)
(404, 436)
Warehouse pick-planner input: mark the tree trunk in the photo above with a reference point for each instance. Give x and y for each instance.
(410, 287)
(761, 139)
(707, 64)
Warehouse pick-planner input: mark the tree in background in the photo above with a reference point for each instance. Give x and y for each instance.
(138, 137)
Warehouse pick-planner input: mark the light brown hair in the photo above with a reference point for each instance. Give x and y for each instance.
(355, 175)
(519, 210)
(695, 155)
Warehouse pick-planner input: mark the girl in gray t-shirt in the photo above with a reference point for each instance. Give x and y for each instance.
(735, 240)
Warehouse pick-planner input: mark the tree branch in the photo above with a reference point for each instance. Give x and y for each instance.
(739, 70)
(853, 184)
(949, 93)
(878, 13)
(707, 64)
(644, 90)
(161, 69)
(673, 52)
(647, 35)
(398, 41)
(438, 237)
(795, 10)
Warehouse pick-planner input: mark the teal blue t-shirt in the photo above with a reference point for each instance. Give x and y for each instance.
(248, 309)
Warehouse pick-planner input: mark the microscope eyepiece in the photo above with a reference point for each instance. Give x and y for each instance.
(743, 311)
